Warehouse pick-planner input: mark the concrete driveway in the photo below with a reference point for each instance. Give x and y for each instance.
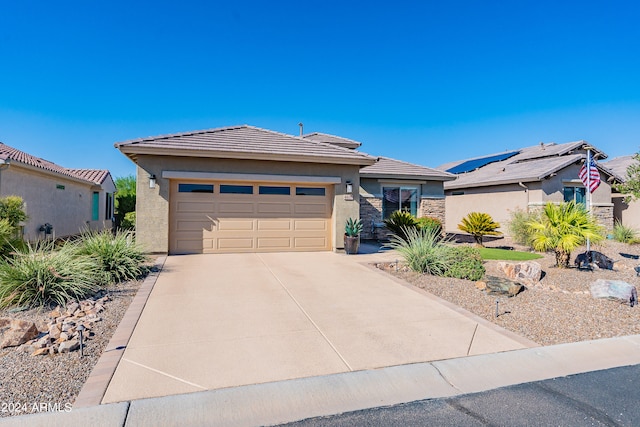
(217, 321)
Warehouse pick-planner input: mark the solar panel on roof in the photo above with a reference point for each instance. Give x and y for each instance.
(471, 165)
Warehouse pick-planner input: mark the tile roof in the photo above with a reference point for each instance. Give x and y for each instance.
(96, 176)
(243, 142)
(332, 139)
(619, 166)
(532, 163)
(10, 153)
(386, 167)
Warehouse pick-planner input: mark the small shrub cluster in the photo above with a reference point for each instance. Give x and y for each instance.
(427, 222)
(425, 252)
(519, 228)
(625, 234)
(44, 273)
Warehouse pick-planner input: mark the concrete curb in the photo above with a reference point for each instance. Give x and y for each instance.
(96, 385)
(287, 401)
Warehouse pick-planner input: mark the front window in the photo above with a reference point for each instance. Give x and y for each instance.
(95, 206)
(399, 199)
(574, 194)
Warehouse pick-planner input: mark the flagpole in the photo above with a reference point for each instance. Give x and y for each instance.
(588, 193)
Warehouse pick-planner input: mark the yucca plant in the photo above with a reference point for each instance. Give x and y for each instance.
(422, 250)
(399, 222)
(353, 227)
(562, 228)
(40, 275)
(479, 224)
(624, 234)
(118, 255)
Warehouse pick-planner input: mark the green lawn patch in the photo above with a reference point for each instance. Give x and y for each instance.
(507, 255)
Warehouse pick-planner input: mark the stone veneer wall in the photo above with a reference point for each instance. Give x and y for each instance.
(371, 213)
(433, 208)
(604, 216)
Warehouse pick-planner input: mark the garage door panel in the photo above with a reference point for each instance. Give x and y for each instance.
(235, 243)
(310, 224)
(274, 243)
(311, 208)
(229, 222)
(274, 224)
(235, 225)
(194, 225)
(195, 207)
(274, 208)
(310, 242)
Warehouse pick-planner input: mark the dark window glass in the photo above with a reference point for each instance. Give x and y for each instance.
(309, 191)
(266, 189)
(195, 188)
(399, 199)
(236, 189)
(575, 194)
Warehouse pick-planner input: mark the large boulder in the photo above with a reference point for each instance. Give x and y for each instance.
(499, 286)
(15, 332)
(527, 273)
(594, 259)
(615, 289)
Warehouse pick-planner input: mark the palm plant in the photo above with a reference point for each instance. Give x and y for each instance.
(399, 222)
(562, 228)
(479, 224)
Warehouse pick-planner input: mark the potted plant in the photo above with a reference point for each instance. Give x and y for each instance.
(352, 231)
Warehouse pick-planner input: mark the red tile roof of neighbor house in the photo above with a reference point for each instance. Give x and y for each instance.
(9, 153)
(244, 142)
(96, 176)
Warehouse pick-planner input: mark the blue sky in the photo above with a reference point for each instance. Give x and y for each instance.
(427, 82)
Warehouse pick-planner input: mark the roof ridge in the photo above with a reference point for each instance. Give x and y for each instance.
(187, 133)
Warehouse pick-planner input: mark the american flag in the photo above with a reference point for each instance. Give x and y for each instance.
(592, 172)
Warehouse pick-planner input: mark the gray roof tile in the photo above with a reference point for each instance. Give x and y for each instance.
(619, 166)
(332, 139)
(387, 167)
(246, 141)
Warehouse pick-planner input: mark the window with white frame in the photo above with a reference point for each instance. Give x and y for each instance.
(399, 199)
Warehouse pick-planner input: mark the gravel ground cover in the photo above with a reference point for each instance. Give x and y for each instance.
(559, 310)
(31, 384)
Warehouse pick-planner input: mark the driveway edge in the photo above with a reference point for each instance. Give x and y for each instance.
(96, 385)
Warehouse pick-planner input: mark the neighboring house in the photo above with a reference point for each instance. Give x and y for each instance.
(246, 189)
(626, 213)
(67, 200)
(525, 178)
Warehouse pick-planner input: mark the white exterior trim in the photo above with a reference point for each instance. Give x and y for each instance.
(251, 177)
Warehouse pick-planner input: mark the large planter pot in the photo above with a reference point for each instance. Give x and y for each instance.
(351, 244)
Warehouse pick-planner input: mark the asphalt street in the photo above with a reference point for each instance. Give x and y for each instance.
(602, 398)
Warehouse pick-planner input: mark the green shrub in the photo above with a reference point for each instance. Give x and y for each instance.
(421, 249)
(427, 222)
(463, 262)
(399, 222)
(519, 230)
(479, 224)
(624, 234)
(118, 256)
(12, 209)
(129, 221)
(40, 275)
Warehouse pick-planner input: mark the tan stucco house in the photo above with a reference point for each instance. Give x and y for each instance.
(523, 179)
(246, 189)
(59, 202)
(627, 213)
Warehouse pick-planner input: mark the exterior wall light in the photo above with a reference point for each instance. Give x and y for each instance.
(152, 181)
(349, 187)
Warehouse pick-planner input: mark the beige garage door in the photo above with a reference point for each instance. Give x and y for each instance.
(211, 217)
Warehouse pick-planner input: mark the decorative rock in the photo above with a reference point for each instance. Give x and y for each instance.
(54, 331)
(55, 312)
(67, 326)
(68, 346)
(500, 286)
(72, 307)
(14, 332)
(41, 351)
(593, 259)
(615, 289)
(526, 273)
(481, 285)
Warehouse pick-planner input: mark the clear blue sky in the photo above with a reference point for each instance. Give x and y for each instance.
(427, 82)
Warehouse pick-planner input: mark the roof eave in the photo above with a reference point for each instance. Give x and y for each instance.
(133, 151)
(406, 176)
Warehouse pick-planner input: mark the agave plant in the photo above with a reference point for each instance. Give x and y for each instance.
(479, 224)
(562, 228)
(353, 227)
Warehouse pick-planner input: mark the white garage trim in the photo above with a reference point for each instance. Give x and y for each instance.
(251, 177)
